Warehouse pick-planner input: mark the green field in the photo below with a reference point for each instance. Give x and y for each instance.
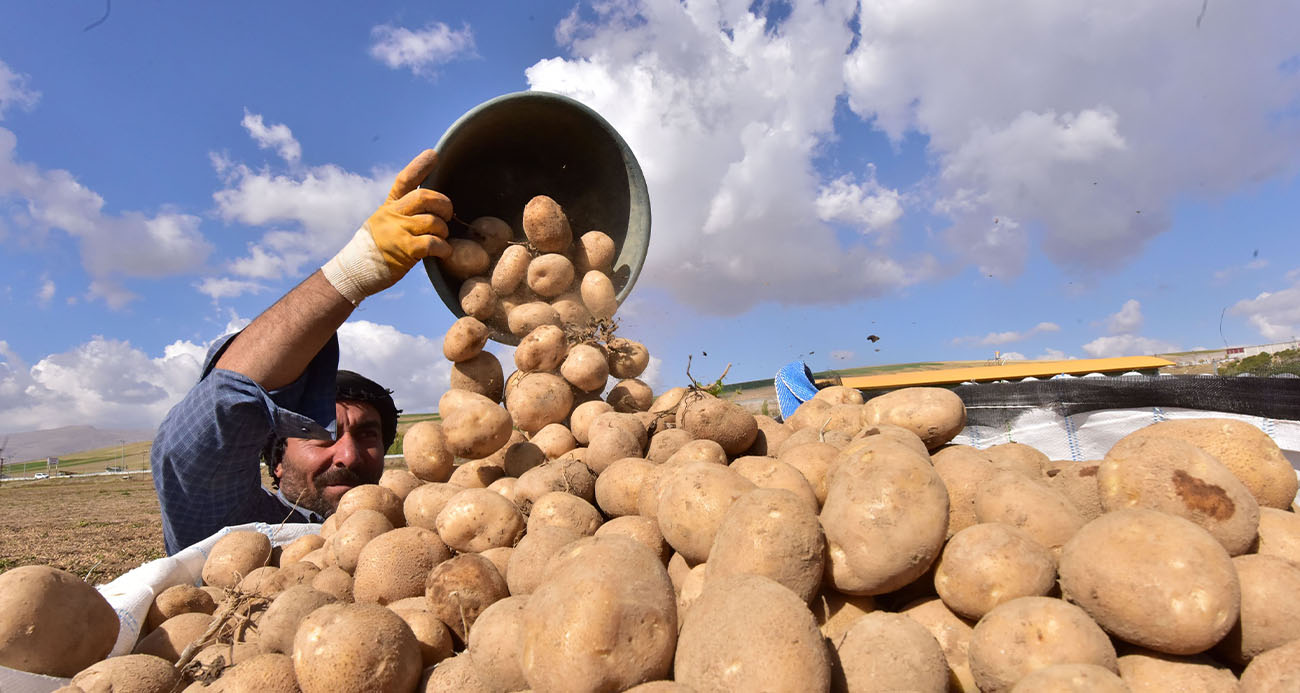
(129, 456)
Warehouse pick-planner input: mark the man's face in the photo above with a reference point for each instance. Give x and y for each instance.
(316, 473)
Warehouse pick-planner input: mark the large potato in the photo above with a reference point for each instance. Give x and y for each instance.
(355, 647)
(748, 633)
(953, 634)
(692, 501)
(543, 349)
(476, 520)
(422, 505)
(641, 529)
(465, 339)
(177, 600)
(1279, 534)
(618, 486)
(53, 623)
(546, 226)
(1275, 671)
(394, 565)
(564, 474)
(594, 250)
(286, 612)
(598, 294)
(345, 545)
(1077, 481)
(987, 564)
(492, 233)
(771, 434)
(538, 400)
(630, 395)
(890, 652)
(963, 469)
(424, 448)
(1030, 633)
(526, 317)
(481, 373)
(773, 533)
(477, 299)
(621, 633)
(235, 555)
(766, 472)
(371, 497)
(171, 638)
(1018, 457)
(1152, 579)
(136, 673)
(510, 270)
(1144, 671)
(474, 425)
(496, 643)
(722, 421)
(527, 566)
(550, 275)
(1270, 612)
(467, 259)
(460, 588)
(814, 462)
(1031, 506)
(627, 359)
(934, 414)
(1071, 678)
(560, 509)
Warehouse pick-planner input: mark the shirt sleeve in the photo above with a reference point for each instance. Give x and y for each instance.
(206, 456)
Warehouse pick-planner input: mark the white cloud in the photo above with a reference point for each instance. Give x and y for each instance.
(1127, 345)
(726, 117)
(1223, 275)
(1276, 314)
(102, 382)
(46, 293)
(421, 51)
(218, 288)
(997, 338)
(412, 366)
(14, 91)
(1128, 320)
(868, 205)
(1012, 356)
(278, 137)
(653, 374)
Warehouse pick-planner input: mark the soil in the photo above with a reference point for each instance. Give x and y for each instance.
(99, 527)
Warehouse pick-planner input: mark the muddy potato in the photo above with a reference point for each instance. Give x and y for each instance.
(1189, 593)
(560, 509)
(583, 416)
(722, 421)
(467, 259)
(1176, 477)
(465, 339)
(1030, 633)
(170, 639)
(492, 233)
(618, 486)
(1274, 671)
(1270, 613)
(987, 564)
(626, 422)
(747, 632)
(371, 497)
(1030, 506)
(475, 426)
(564, 474)
(423, 504)
(286, 612)
(52, 622)
(135, 673)
(481, 374)
(620, 634)
(666, 404)
(234, 556)
(177, 600)
(627, 359)
(476, 520)
(630, 395)
(550, 275)
(460, 588)
(692, 501)
(571, 309)
(1279, 534)
(594, 250)
(585, 368)
(496, 643)
(598, 294)
(542, 349)
(640, 529)
(889, 652)
(935, 414)
(766, 472)
(510, 270)
(361, 526)
(668, 441)
(953, 634)
(774, 533)
(355, 647)
(1071, 678)
(395, 564)
(546, 226)
(539, 399)
(1077, 481)
(527, 317)
(477, 299)
(1144, 671)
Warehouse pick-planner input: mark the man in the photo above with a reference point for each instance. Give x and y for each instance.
(273, 390)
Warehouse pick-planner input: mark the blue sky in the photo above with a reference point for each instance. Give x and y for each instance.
(1043, 181)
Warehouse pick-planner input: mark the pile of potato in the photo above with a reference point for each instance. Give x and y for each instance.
(544, 538)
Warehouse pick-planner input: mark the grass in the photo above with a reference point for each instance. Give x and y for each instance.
(131, 456)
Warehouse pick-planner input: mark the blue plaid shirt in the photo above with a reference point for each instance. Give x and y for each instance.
(206, 455)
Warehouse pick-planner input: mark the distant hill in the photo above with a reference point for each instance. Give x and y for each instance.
(56, 442)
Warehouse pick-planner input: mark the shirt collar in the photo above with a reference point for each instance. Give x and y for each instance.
(310, 515)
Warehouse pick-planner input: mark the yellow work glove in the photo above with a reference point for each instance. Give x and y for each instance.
(410, 226)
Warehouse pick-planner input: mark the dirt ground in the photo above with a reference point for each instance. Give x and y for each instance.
(97, 526)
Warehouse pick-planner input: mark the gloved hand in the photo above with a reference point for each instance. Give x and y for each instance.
(408, 227)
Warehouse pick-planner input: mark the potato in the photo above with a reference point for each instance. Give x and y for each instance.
(546, 226)
(953, 634)
(618, 486)
(492, 233)
(395, 564)
(838, 439)
(692, 586)
(361, 526)
(897, 434)
(1274, 671)
(598, 294)
(527, 566)
(810, 414)
(1279, 534)
(460, 588)
(771, 434)
(371, 497)
(177, 600)
(1178, 478)
(477, 299)
(666, 404)
(170, 639)
(608, 446)
(845, 418)
(422, 505)
(630, 395)
(1245, 450)
(1018, 457)
(885, 517)
(465, 339)
(571, 309)
(987, 564)
(1144, 671)
(585, 368)
(478, 473)
(475, 426)
(1029, 633)
(1043, 514)
(668, 441)
(692, 501)
(477, 520)
(747, 632)
(539, 399)
(627, 359)
(263, 673)
(963, 469)
(1152, 579)
(467, 259)
(433, 636)
(560, 509)
(455, 674)
(296, 549)
(1077, 481)
(568, 475)
(355, 647)
(496, 642)
(527, 317)
(620, 634)
(1067, 678)
(481, 374)
(1270, 614)
(774, 533)
(594, 250)
(934, 414)
(622, 421)
(52, 623)
(641, 529)
(261, 582)
(234, 556)
(550, 275)
(766, 472)
(889, 652)
(135, 673)
(286, 612)
(511, 270)
(813, 461)
(837, 612)
(724, 422)
(335, 582)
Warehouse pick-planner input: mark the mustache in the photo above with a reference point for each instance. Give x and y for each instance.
(337, 476)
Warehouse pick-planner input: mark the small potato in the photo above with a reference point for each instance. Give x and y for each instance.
(550, 275)
(394, 565)
(630, 395)
(234, 556)
(335, 582)
(722, 421)
(361, 526)
(698, 450)
(296, 549)
(598, 294)
(496, 644)
(510, 270)
(666, 405)
(481, 374)
(546, 226)
(748, 633)
(594, 250)
(692, 501)
(953, 634)
(177, 600)
(354, 647)
(585, 368)
(371, 497)
(477, 299)
(773, 533)
(527, 317)
(492, 233)
(554, 440)
(766, 472)
(619, 485)
(1190, 595)
(1027, 505)
(170, 639)
(571, 309)
(1071, 678)
(560, 509)
(668, 441)
(641, 529)
(1030, 633)
(1077, 481)
(935, 414)
(400, 481)
(987, 564)
(890, 652)
(475, 520)
(1144, 671)
(627, 359)
(286, 612)
(609, 445)
(539, 399)
(477, 473)
(465, 339)
(1270, 613)
(460, 588)
(467, 259)
(53, 623)
(422, 505)
(475, 426)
